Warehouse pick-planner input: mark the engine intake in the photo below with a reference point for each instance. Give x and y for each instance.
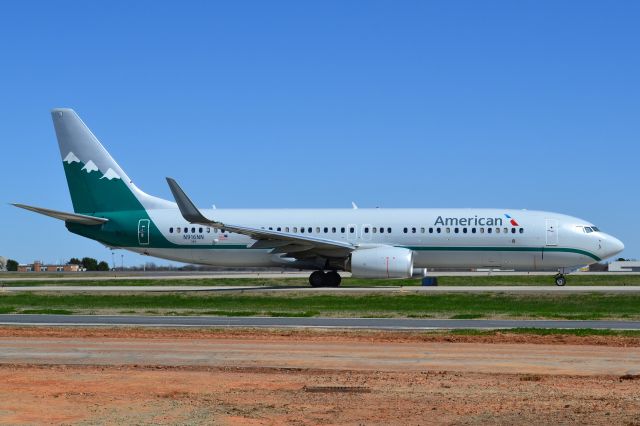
(382, 262)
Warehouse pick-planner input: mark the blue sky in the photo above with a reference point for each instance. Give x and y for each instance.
(528, 104)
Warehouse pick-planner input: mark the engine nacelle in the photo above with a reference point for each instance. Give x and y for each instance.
(419, 273)
(382, 262)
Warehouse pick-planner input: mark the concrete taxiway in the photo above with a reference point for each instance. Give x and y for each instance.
(317, 322)
(374, 289)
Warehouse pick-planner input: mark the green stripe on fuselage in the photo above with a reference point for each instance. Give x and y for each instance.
(506, 249)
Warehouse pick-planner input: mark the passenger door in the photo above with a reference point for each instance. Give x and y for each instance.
(552, 232)
(143, 232)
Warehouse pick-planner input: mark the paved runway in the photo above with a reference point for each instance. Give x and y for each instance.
(375, 289)
(162, 275)
(279, 322)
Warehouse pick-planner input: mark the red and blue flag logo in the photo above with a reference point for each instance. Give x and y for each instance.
(511, 220)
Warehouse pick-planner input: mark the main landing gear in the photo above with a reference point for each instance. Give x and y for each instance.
(560, 280)
(325, 279)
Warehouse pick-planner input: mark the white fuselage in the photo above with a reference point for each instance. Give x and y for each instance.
(439, 238)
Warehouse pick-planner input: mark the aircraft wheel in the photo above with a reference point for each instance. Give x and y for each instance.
(317, 279)
(333, 279)
(560, 280)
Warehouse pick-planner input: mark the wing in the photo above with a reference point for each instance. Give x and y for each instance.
(293, 245)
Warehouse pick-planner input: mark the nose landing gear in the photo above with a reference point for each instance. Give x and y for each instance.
(322, 279)
(560, 280)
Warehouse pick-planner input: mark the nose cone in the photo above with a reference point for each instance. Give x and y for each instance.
(613, 246)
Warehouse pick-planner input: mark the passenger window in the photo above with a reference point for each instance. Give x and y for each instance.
(506, 230)
(215, 230)
(193, 230)
(522, 230)
(422, 230)
(278, 229)
(286, 229)
(178, 230)
(186, 230)
(171, 230)
(388, 230)
(317, 230)
(302, 229)
(200, 230)
(309, 229)
(473, 230)
(405, 230)
(464, 230)
(222, 231)
(366, 230)
(497, 230)
(342, 230)
(374, 229)
(489, 230)
(413, 230)
(448, 230)
(456, 230)
(430, 230)
(271, 228)
(513, 230)
(352, 230)
(382, 230)
(208, 230)
(326, 230)
(482, 230)
(439, 229)
(333, 230)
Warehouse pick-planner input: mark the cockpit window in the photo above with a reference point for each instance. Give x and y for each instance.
(595, 229)
(588, 230)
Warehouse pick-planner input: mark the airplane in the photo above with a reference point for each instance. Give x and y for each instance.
(376, 243)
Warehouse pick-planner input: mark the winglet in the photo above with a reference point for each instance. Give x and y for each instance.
(354, 205)
(188, 210)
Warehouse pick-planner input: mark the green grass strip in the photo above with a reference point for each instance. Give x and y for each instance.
(452, 305)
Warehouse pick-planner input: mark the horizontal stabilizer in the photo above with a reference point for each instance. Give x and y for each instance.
(67, 217)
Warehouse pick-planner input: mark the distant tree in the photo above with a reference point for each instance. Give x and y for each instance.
(599, 267)
(89, 263)
(103, 266)
(622, 259)
(75, 261)
(12, 265)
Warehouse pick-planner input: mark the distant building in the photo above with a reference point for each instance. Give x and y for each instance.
(3, 264)
(38, 266)
(625, 266)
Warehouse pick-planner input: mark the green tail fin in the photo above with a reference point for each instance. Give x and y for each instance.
(96, 182)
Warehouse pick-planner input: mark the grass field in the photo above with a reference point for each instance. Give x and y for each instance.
(518, 280)
(457, 306)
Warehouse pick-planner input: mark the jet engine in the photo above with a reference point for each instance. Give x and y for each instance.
(381, 262)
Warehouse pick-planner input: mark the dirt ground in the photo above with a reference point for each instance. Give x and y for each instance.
(94, 376)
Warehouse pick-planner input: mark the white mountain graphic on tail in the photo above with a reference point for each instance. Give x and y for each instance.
(110, 175)
(90, 167)
(71, 158)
